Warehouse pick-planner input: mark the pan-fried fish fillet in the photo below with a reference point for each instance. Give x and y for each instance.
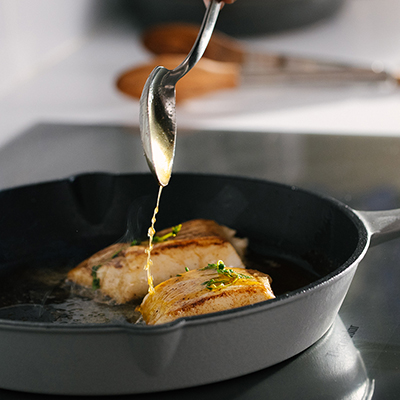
(188, 295)
(119, 272)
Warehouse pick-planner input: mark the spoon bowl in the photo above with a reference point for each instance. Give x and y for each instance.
(158, 124)
(158, 103)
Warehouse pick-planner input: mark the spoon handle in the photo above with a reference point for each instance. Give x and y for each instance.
(200, 45)
(178, 38)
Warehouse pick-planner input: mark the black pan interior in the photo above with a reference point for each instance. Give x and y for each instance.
(65, 221)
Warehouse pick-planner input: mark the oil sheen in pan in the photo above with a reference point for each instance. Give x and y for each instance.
(38, 292)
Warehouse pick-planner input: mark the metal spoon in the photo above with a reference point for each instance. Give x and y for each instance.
(157, 103)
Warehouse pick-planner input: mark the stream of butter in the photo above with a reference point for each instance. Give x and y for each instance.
(150, 234)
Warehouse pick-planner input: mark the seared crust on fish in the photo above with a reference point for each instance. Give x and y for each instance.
(119, 268)
(187, 295)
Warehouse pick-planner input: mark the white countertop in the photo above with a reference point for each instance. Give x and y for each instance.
(79, 87)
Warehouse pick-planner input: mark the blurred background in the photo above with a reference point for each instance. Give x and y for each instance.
(59, 61)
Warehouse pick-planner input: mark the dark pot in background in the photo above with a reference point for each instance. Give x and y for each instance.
(245, 17)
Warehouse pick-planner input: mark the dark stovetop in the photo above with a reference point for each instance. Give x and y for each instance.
(359, 358)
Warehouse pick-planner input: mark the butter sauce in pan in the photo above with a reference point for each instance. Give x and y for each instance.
(37, 291)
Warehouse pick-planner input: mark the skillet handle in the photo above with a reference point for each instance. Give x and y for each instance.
(381, 225)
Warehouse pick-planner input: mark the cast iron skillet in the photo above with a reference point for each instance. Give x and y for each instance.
(70, 219)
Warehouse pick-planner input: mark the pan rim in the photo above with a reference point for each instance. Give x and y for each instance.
(357, 255)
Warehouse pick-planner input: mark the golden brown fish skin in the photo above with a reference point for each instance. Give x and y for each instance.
(187, 295)
(123, 278)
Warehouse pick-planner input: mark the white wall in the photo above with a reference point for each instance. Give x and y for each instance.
(36, 33)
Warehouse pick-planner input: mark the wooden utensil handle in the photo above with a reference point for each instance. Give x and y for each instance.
(178, 38)
(207, 76)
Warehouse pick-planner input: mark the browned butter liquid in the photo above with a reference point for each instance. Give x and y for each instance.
(37, 291)
(150, 234)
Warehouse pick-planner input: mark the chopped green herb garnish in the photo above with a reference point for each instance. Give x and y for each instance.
(95, 269)
(116, 254)
(186, 269)
(226, 276)
(136, 242)
(175, 230)
(96, 283)
(96, 280)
